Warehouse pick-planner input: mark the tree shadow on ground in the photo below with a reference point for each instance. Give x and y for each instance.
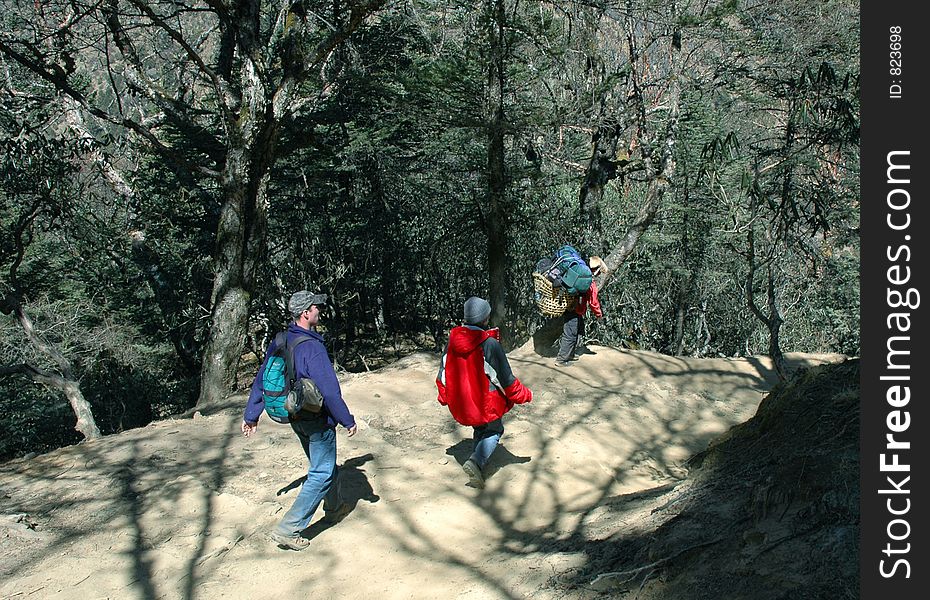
(604, 411)
(135, 477)
(353, 488)
(500, 459)
(131, 476)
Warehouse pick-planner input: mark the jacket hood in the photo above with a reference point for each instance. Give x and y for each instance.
(464, 339)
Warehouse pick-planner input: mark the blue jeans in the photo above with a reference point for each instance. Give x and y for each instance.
(486, 438)
(318, 440)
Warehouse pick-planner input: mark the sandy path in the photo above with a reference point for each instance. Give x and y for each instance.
(179, 509)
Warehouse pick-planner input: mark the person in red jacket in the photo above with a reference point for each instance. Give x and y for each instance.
(476, 383)
(573, 320)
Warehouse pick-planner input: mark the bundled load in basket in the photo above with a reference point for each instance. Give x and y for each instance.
(552, 300)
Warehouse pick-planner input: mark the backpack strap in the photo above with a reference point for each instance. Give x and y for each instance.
(290, 347)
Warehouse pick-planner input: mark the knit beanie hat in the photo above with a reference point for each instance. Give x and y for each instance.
(477, 311)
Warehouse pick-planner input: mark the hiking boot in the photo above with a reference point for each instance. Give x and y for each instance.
(337, 514)
(562, 363)
(475, 478)
(295, 541)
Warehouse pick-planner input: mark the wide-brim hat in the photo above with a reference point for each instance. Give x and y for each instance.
(597, 264)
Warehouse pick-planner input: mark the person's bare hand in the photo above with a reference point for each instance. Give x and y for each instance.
(248, 428)
(351, 430)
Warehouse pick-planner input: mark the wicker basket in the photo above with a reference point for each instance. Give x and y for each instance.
(550, 300)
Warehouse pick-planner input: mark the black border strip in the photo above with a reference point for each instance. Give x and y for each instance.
(894, 362)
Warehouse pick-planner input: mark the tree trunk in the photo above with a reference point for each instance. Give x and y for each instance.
(224, 344)
(684, 285)
(774, 323)
(497, 182)
(661, 173)
(81, 407)
(86, 424)
(677, 346)
(63, 381)
(773, 320)
(240, 249)
(602, 168)
(497, 260)
(645, 217)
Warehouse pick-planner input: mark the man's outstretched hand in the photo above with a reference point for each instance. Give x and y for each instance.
(248, 428)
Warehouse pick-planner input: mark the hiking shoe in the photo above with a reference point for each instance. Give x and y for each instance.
(475, 478)
(295, 541)
(337, 514)
(562, 363)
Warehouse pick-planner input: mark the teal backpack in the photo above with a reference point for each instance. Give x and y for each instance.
(576, 276)
(279, 377)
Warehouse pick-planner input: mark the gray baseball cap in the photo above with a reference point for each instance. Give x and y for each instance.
(302, 300)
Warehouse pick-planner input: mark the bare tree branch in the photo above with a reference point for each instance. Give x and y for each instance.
(219, 89)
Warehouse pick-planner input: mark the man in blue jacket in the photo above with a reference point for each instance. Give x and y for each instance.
(317, 435)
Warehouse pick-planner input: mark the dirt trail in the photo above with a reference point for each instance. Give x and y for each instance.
(179, 509)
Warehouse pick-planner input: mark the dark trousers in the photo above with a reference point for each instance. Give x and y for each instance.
(572, 329)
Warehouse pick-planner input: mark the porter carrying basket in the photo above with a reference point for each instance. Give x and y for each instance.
(551, 300)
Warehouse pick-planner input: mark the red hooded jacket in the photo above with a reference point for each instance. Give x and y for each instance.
(475, 380)
(587, 299)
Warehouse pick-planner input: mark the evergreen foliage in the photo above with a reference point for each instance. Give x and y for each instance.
(379, 191)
